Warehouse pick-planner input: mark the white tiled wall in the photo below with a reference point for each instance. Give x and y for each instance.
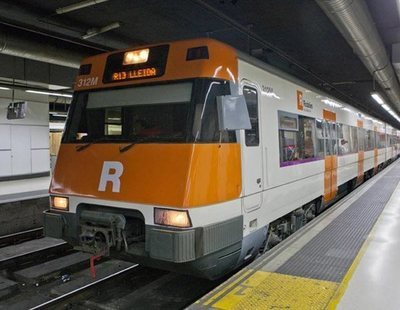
(24, 143)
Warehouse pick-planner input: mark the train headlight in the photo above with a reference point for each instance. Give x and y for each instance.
(175, 218)
(136, 57)
(60, 203)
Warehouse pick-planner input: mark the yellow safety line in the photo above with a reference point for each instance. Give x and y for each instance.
(223, 290)
(266, 290)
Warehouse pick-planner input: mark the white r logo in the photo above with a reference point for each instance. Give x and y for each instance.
(112, 171)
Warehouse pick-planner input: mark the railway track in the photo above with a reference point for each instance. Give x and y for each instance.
(81, 290)
(22, 236)
(47, 274)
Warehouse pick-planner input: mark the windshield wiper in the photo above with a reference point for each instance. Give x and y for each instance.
(83, 146)
(137, 140)
(126, 147)
(154, 139)
(86, 145)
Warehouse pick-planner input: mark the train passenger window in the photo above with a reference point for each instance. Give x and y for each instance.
(252, 136)
(333, 138)
(296, 138)
(344, 139)
(327, 137)
(369, 140)
(361, 138)
(320, 139)
(307, 134)
(354, 140)
(391, 143)
(382, 140)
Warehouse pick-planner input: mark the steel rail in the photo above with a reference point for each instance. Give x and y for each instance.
(34, 233)
(82, 289)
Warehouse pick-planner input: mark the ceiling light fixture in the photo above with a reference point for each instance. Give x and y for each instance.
(95, 31)
(78, 6)
(386, 107)
(332, 103)
(48, 93)
(377, 98)
(4, 88)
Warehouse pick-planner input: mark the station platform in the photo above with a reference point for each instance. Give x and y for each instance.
(18, 190)
(22, 203)
(347, 258)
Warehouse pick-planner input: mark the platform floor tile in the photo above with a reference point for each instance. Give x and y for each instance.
(266, 290)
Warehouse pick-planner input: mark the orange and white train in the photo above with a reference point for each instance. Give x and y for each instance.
(191, 156)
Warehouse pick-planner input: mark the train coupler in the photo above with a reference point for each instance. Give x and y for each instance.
(102, 231)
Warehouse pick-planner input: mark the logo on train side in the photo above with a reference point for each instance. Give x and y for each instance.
(111, 173)
(303, 104)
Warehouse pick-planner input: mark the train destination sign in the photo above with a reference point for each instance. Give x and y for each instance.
(134, 74)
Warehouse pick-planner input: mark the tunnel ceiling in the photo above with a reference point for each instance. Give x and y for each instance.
(294, 35)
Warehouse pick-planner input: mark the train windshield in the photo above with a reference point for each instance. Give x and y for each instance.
(179, 112)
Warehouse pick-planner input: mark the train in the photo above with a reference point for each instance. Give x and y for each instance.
(194, 157)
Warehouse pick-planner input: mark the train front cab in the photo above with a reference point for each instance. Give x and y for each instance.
(158, 179)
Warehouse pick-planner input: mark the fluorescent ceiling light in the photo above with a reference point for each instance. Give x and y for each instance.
(332, 103)
(95, 31)
(386, 107)
(4, 88)
(49, 93)
(77, 6)
(377, 98)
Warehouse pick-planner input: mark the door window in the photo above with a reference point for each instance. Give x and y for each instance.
(252, 137)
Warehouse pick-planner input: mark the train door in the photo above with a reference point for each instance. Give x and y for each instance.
(331, 151)
(252, 153)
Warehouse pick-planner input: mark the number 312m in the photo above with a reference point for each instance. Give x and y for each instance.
(92, 81)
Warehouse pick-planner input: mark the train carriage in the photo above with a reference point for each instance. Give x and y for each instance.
(193, 157)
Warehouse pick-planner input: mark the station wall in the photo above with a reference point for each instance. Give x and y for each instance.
(24, 143)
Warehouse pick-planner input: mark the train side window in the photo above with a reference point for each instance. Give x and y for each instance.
(361, 139)
(252, 136)
(381, 140)
(307, 137)
(296, 138)
(344, 139)
(333, 138)
(327, 139)
(369, 140)
(320, 139)
(288, 130)
(354, 140)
